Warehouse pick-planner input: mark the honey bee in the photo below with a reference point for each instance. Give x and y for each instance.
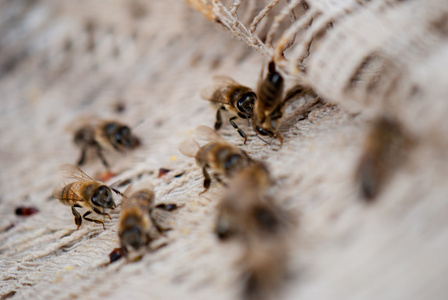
(84, 192)
(245, 208)
(224, 159)
(136, 227)
(104, 135)
(247, 213)
(264, 266)
(233, 97)
(269, 106)
(382, 152)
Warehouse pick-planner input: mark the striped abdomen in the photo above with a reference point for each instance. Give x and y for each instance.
(135, 224)
(271, 90)
(142, 200)
(68, 195)
(85, 136)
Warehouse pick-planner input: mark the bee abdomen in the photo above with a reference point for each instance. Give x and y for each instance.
(85, 136)
(272, 90)
(68, 194)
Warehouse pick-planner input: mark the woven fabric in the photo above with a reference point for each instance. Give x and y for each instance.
(64, 61)
(376, 56)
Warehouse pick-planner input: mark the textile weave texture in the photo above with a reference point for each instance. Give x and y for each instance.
(145, 63)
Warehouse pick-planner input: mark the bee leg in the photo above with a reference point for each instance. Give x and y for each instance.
(207, 181)
(242, 134)
(218, 122)
(117, 191)
(369, 175)
(84, 216)
(280, 137)
(222, 229)
(159, 228)
(82, 158)
(168, 207)
(220, 181)
(277, 114)
(101, 213)
(159, 246)
(78, 219)
(100, 154)
(117, 148)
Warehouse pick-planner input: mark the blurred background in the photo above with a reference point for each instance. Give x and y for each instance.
(144, 63)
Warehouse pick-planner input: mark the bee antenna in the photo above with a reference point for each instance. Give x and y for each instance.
(117, 182)
(137, 124)
(117, 191)
(217, 101)
(262, 139)
(271, 66)
(247, 118)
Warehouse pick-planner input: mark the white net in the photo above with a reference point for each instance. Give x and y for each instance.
(377, 56)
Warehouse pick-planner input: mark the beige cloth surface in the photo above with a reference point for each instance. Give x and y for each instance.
(66, 60)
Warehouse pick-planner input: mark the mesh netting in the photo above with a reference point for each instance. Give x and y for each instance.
(377, 56)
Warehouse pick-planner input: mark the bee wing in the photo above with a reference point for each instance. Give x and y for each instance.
(297, 91)
(223, 80)
(205, 133)
(145, 185)
(261, 77)
(88, 120)
(128, 191)
(216, 92)
(260, 104)
(59, 188)
(189, 147)
(73, 172)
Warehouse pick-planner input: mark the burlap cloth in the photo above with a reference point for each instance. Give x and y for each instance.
(60, 61)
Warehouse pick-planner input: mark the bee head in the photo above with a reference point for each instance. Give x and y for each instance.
(103, 198)
(120, 135)
(222, 229)
(132, 236)
(123, 136)
(232, 161)
(263, 131)
(245, 105)
(265, 218)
